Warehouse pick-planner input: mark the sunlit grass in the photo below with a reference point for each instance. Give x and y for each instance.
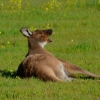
(76, 26)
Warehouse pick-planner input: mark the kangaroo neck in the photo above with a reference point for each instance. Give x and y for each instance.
(35, 48)
(33, 44)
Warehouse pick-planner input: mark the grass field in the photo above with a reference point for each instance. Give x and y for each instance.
(76, 25)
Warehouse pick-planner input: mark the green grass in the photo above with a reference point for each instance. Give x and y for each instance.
(75, 39)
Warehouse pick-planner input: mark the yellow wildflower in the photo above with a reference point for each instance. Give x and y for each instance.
(18, 77)
(71, 40)
(11, 71)
(98, 1)
(8, 42)
(3, 46)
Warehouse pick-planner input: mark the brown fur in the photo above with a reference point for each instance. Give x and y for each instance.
(42, 64)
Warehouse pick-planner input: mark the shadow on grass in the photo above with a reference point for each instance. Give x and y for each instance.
(12, 74)
(86, 77)
(7, 73)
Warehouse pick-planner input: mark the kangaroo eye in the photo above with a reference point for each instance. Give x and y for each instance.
(40, 32)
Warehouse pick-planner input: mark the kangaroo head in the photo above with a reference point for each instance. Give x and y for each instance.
(39, 37)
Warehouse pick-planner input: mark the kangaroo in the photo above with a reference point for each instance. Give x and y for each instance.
(42, 64)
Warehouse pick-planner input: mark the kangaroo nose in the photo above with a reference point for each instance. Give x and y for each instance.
(50, 31)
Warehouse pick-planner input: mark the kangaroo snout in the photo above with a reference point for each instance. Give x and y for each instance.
(49, 31)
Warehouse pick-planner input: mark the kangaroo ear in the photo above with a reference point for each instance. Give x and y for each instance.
(26, 32)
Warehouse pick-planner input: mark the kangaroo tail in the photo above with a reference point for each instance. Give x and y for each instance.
(75, 69)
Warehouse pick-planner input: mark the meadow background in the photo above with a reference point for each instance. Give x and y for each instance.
(76, 38)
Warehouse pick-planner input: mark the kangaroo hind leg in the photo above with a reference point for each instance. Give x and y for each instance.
(48, 74)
